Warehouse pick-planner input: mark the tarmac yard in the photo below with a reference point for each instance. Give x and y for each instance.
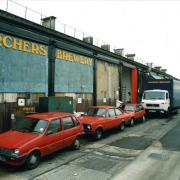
(149, 150)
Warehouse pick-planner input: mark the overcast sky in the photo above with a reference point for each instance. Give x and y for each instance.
(150, 29)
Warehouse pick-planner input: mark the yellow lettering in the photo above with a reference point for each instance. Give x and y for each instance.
(1, 40)
(35, 48)
(63, 55)
(71, 57)
(57, 54)
(17, 44)
(26, 46)
(5, 41)
(76, 59)
(60, 54)
(42, 50)
(82, 60)
(22, 45)
(67, 56)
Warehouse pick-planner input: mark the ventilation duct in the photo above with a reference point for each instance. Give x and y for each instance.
(158, 67)
(164, 70)
(106, 47)
(131, 56)
(119, 52)
(88, 39)
(49, 22)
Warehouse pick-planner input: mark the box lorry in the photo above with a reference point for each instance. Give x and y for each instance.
(161, 96)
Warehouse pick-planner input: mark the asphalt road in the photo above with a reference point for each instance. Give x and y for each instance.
(149, 150)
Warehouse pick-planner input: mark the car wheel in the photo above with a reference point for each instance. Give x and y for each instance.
(33, 160)
(143, 119)
(98, 134)
(76, 144)
(132, 122)
(122, 127)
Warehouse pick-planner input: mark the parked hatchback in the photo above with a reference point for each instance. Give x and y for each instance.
(101, 118)
(37, 135)
(136, 111)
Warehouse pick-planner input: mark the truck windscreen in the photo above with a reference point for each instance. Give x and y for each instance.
(154, 95)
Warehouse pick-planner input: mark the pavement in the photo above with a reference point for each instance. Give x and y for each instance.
(161, 161)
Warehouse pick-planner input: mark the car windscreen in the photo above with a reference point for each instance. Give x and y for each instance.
(96, 112)
(129, 108)
(154, 95)
(29, 125)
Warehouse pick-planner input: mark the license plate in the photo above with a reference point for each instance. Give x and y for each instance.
(2, 158)
(152, 110)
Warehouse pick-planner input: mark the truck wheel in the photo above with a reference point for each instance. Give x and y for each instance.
(33, 160)
(132, 122)
(76, 144)
(98, 134)
(167, 113)
(122, 127)
(143, 119)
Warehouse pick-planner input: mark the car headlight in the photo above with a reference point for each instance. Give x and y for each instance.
(88, 126)
(15, 152)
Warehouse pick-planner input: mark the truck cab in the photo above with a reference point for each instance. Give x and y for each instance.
(156, 101)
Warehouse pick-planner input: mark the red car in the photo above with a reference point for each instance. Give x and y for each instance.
(136, 111)
(37, 135)
(100, 118)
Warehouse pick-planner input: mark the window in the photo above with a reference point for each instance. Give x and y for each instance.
(67, 122)
(154, 95)
(118, 112)
(76, 122)
(111, 113)
(129, 108)
(54, 127)
(139, 108)
(30, 125)
(96, 112)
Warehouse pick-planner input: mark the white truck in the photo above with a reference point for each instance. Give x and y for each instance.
(161, 96)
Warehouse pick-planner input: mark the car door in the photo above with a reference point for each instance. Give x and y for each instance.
(138, 112)
(119, 117)
(110, 120)
(53, 140)
(70, 130)
(141, 111)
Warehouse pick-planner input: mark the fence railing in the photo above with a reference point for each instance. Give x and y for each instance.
(27, 13)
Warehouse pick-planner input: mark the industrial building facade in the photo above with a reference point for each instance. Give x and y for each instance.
(36, 62)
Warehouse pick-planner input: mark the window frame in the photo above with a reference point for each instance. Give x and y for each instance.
(62, 122)
(110, 114)
(119, 111)
(60, 126)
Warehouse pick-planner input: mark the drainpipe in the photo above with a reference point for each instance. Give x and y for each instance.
(94, 80)
(51, 67)
(120, 80)
(134, 85)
